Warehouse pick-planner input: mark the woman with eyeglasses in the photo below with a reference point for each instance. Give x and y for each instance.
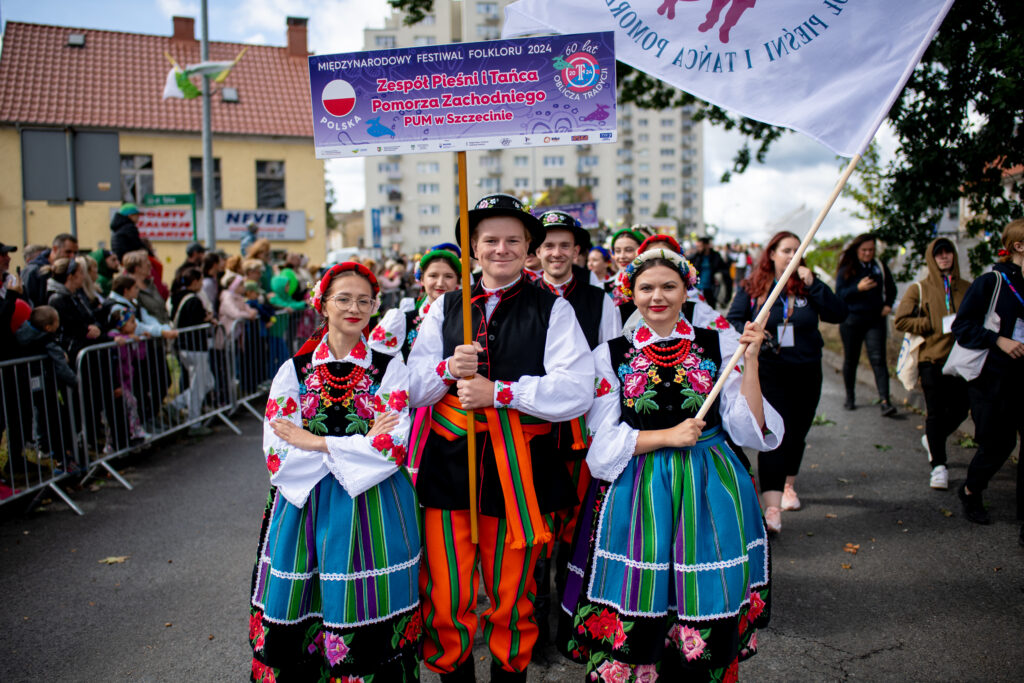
(335, 589)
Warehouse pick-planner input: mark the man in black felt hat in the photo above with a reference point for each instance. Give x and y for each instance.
(531, 367)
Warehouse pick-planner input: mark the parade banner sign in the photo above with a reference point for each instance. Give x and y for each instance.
(531, 92)
(584, 212)
(232, 224)
(167, 217)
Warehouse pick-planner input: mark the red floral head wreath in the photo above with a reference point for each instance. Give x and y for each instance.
(316, 295)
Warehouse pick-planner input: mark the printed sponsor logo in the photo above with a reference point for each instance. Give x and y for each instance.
(580, 138)
(607, 136)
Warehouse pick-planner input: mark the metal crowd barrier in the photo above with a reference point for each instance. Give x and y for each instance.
(129, 394)
(39, 429)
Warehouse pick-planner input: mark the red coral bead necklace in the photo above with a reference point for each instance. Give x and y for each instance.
(667, 356)
(345, 384)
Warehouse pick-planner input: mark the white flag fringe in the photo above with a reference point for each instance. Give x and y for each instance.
(830, 69)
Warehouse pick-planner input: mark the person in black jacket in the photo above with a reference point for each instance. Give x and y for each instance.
(709, 263)
(187, 310)
(37, 271)
(866, 287)
(124, 231)
(790, 367)
(996, 404)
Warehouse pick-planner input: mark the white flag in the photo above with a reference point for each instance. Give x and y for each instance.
(830, 69)
(178, 83)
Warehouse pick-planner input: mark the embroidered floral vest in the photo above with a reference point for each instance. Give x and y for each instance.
(655, 397)
(324, 415)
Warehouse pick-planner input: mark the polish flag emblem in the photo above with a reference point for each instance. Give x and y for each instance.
(339, 98)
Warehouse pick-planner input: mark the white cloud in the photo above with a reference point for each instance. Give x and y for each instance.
(179, 8)
(347, 177)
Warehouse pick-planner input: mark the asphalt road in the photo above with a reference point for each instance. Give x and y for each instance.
(928, 596)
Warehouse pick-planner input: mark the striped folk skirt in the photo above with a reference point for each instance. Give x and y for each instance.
(335, 587)
(670, 570)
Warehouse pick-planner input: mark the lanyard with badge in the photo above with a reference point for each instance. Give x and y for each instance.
(947, 320)
(787, 335)
(1018, 327)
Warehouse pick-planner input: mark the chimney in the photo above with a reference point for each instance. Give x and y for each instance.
(297, 37)
(184, 29)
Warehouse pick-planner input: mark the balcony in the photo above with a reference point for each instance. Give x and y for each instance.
(582, 149)
(394, 196)
(494, 170)
(584, 169)
(394, 174)
(492, 19)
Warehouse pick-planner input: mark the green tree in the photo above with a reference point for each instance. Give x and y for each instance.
(329, 198)
(661, 211)
(565, 194)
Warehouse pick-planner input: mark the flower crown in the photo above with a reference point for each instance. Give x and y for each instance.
(685, 268)
(316, 294)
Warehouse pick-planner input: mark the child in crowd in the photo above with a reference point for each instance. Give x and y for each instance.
(123, 326)
(253, 367)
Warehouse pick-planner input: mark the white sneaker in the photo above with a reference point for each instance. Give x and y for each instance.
(924, 443)
(940, 478)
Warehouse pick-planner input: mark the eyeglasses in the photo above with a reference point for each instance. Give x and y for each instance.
(344, 301)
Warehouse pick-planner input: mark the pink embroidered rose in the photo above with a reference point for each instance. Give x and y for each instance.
(604, 625)
(721, 323)
(691, 643)
(683, 328)
(322, 351)
(358, 351)
(603, 387)
(441, 367)
(643, 334)
(756, 605)
(612, 671)
(364, 405)
(700, 380)
(634, 384)
(752, 645)
(619, 638)
(335, 648)
(690, 361)
(646, 673)
(640, 363)
(398, 400)
(310, 402)
(290, 406)
(273, 462)
(505, 396)
(378, 405)
(255, 624)
(378, 334)
(272, 409)
(363, 384)
(676, 633)
(383, 442)
(262, 673)
(313, 382)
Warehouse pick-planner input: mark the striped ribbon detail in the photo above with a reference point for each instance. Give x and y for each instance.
(580, 436)
(417, 440)
(510, 434)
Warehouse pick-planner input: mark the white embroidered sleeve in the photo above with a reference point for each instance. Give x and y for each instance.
(611, 321)
(294, 471)
(614, 441)
(428, 371)
(389, 334)
(736, 416)
(358, 462)
(566, 389)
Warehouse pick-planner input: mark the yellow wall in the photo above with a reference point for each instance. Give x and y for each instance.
(304, 190)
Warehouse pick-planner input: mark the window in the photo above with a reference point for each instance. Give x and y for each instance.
(554, 161)
(489, 183)
(687, 170)
(621, 196)
(136, 177)
(428, 167)
(428, 20)
(588, 182)
(487, 8)
(589, 161)
(668, 167)
(645, 211)
(488, 32)
(426, 230)
(667, 122)
(553, 182)
(387, 188)
(643, 166)
(388, 167)
(668, 137)
(641, 122)
(420, 41)
(489, 161)
(667, 151)
(668, 196)
(384, 41)
(642, 137)
(644, 181)
(623, 211)
(428, 188)
(645, 196)
(521, 161)
(665, 182)
(269, 184)
(430, 209)
(195, 168)
(521, 183)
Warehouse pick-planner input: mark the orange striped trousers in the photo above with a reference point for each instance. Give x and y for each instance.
(448, 591)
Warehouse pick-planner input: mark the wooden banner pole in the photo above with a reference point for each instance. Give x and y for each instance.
(467, 334)
(762, 316)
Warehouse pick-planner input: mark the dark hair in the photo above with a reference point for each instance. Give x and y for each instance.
(186, 277)
(762, 275)
(440, 258)
(41, 316)
(63, 237)
(211, 259)
(942, 244)
(848, 259)
(122, 283)
(650, 263)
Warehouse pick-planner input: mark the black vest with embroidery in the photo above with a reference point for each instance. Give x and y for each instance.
(412, 328)
(513, 340)
(655, 397)
(342, 417)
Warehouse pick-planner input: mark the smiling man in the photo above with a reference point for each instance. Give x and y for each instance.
(530, 366)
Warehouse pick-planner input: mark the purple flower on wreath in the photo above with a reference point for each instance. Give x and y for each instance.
(335, 648)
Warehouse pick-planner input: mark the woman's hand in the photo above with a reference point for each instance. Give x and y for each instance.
(383, 424)
(1013, 349)
(295, 435)
(866, 283)
(805, 274)
(686, 433)
(753, 336)
(464, 360)
(92, 332)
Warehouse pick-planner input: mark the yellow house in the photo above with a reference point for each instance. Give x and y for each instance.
(84, 127)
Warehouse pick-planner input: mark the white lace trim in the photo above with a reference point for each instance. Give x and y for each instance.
(356, 576)
(335, 624)
(655, 337)
(361, 362)
(575, 570)
(681, 568)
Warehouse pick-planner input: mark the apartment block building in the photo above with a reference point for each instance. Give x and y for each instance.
(657, 162)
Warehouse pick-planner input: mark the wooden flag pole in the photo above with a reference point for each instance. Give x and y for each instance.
(467, 335)
(762, 316)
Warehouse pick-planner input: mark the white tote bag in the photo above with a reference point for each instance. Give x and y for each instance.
(906, 364)
(968, 362)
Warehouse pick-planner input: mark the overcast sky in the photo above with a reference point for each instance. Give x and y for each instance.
(799, 172)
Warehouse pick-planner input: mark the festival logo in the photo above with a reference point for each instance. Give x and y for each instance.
(339, 98)
(579, 75)
(732, 15)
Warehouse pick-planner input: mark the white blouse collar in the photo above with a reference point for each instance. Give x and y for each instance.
(359, 355)
(644, 335)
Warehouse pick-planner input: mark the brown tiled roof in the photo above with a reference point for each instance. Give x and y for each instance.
(117, 80)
